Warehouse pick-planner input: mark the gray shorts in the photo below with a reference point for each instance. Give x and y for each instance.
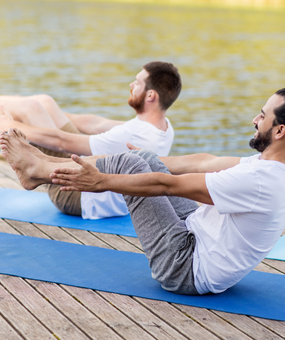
(159, 223)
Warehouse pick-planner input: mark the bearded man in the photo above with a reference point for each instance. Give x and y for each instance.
(154, 90)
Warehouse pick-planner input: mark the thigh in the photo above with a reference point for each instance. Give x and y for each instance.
(17, 105)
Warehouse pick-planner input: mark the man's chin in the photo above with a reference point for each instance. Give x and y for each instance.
(251, 143)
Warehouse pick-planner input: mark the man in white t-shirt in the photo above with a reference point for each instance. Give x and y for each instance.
(195, 250)
(154, 90)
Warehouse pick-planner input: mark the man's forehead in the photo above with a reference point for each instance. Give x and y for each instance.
(142, 75)
(273, 102)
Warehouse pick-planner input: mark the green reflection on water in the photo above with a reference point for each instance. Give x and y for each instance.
(86, 54)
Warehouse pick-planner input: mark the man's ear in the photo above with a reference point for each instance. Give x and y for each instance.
(280, 132)
(151, 95)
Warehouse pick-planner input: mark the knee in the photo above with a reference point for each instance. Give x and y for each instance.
(125, 163)
(134, 163)
(145, 154)
(30, 107)
(45, 100)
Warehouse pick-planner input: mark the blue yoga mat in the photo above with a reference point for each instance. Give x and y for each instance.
(258, 294)
(36, 207)
(278, 251)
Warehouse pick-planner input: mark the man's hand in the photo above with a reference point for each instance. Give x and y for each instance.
(132, 147)
(86, 177)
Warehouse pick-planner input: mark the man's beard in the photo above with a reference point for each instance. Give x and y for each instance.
(138, 102)
(262, 141)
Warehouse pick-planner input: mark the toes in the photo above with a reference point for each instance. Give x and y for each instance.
(21, 134)
(11, 132)
(17, 132)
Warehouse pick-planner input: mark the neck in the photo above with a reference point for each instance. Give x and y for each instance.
(274, 154)
(156, 118)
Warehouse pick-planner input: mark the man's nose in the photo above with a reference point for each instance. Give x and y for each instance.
(256, 119)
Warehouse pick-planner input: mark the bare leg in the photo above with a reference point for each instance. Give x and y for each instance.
(85, 123)
(53, 109)
(43, 111)
(28, 111)
(24, 141)
(31, 170)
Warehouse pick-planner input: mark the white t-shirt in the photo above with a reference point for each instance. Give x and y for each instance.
(137, 132)
(235, 234)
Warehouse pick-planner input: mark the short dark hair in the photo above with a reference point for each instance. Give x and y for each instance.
(165, 80)
(280, 110)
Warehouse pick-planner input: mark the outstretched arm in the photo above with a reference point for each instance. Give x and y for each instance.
(88, 178)
(92, 124)
(198, 163)
(53, 139)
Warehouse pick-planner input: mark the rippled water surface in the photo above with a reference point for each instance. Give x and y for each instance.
(86, 54)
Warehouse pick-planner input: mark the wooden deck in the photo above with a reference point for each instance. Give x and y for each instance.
(39, 310)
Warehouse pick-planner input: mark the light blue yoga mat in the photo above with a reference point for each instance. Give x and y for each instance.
(36, 207)
(258, 294)
(278, 251)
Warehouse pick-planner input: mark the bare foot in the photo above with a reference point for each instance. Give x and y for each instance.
(22, 139)
(6, 116)
(27, 166)
(6, 121)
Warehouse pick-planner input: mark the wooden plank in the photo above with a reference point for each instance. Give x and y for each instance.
(213, 323)
(249, 326)
(179, 321)
(36, 304)
(143, 317)
(5, 227)
(86, 237)
(104, 310)
(74, 311)
(263, 267)
(7, 332)
(277, 327)
(278, 265)
(27, 229)
(133, 240)
(117, 242)
(56, 233)
(22, 320)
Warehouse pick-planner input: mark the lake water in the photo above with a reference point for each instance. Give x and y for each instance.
(86, 54)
